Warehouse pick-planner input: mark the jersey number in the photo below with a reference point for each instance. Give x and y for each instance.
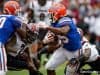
(2, 21)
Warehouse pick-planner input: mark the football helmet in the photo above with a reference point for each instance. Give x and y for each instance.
(11, 7)
(57, 11)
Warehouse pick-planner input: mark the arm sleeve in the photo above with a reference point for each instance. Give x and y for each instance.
(16, 22)
(65, 21)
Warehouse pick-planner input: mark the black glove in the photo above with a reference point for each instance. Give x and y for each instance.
(74, 61)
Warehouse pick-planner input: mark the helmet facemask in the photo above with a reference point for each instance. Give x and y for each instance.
(18, 12)
(52, 18)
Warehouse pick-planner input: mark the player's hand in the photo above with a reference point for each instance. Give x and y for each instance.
(73, 61)
(33, 27)
(42, 25)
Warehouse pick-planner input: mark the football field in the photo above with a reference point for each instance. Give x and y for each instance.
(59, 71)
(25, 72)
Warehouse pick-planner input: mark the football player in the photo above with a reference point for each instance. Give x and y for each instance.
(64, 27)
(88, 55)
(9, 24)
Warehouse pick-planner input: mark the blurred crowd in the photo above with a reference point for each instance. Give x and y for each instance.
(85, 13)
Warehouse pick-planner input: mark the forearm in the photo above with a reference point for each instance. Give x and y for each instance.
(11, 49)
(59, 31)
(21, 33)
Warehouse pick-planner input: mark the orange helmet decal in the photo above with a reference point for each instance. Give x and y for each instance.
(58, 10)
(11, 7)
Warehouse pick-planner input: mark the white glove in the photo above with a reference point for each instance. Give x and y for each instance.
(36, 26)
(33, 26)
(42, 25)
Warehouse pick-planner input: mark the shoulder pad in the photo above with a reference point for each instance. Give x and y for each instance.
(65, 19)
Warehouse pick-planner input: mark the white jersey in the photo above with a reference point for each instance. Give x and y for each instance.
(41, 11)
(89, 50)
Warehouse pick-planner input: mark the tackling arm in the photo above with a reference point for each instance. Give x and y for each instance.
(21, 33)
(59, 31)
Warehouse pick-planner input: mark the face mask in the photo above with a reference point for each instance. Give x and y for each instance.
(51, 17)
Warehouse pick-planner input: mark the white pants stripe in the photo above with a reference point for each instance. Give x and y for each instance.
(3, 58)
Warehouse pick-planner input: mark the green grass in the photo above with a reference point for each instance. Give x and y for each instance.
(25, 72)
(59, 70)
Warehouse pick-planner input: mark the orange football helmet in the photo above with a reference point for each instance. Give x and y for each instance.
(57, 11)
(11, 7)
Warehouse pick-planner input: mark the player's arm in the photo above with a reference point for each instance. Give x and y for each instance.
(60, 31)
(10, 44)
(18, 24)
(21, 33)
(10, 49)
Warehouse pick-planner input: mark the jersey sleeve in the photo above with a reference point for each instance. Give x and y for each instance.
(64, 21)
(16, 22)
